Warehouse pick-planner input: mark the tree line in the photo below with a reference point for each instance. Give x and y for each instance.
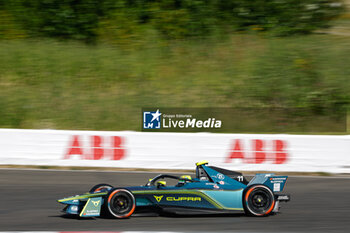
(172, 19)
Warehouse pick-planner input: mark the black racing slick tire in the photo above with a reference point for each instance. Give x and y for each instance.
(120, 203)
(258, 200)
(100, 188)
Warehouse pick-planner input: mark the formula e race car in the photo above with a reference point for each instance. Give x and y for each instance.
(214, 190)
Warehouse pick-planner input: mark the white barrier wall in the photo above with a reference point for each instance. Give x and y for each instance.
(250, 152)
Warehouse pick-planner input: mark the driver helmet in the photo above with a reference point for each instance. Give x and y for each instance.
(182, 182)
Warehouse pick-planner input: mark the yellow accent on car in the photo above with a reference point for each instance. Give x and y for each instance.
(184, 199)
(161, 182)
(96, 203)
(158, 198)
(186, 177)
(84, 196)
(213, 202)
(202, 162)
(81, 213)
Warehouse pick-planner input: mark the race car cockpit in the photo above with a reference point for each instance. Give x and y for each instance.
(201, 174)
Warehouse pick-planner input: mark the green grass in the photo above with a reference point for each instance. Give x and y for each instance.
(67, 85)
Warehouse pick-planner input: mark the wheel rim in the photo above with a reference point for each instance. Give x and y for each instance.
(260, 201)
(121, 203)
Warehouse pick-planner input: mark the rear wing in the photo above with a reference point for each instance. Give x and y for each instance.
(275, 183)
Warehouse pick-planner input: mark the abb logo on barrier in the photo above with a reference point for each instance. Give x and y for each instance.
(99, 148)
(260, 151)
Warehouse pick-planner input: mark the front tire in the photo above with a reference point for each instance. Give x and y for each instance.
(258, 200)
(121, 203)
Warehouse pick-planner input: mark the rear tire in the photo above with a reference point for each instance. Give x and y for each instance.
(121, 203)
(100, 188)
(258, 200)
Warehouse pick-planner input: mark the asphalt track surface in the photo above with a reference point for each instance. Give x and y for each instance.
(28, 203)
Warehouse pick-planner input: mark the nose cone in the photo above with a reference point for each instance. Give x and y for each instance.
(68, 201)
